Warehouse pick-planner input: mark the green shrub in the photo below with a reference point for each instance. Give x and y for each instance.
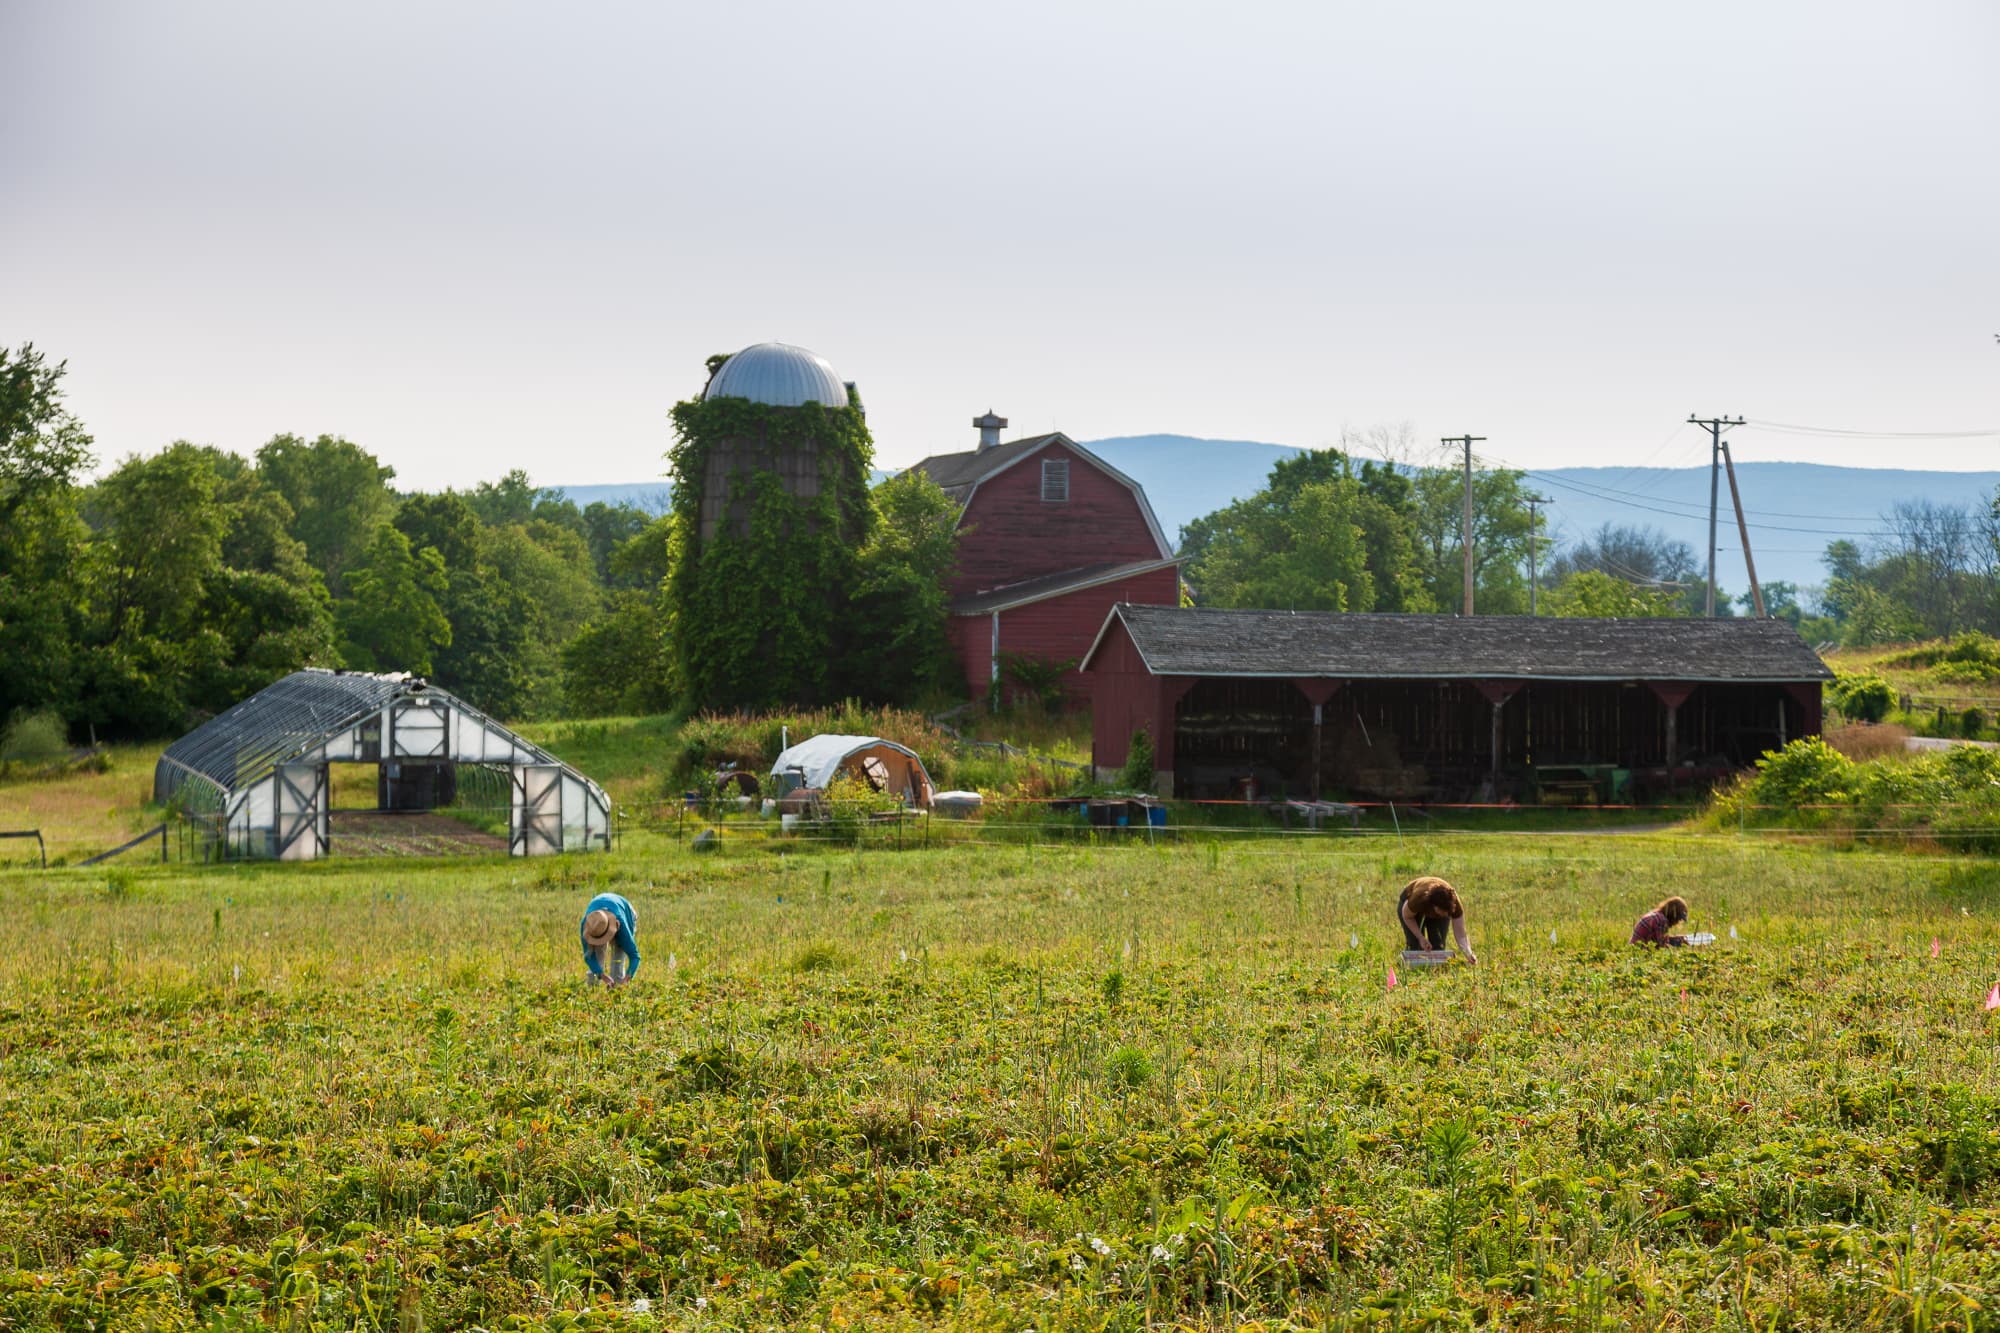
(1137, 775)
(34, 739)
(1972, 723)
(1808, 772)
(1128, 1067)
(851, 804)
(1863, 696)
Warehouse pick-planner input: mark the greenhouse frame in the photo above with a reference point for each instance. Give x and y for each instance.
(255, 776)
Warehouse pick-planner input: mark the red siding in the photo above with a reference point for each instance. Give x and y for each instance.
(1056, 629)
(1008, 534)
(1124, 697)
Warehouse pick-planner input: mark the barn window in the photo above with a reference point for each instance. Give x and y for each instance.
(1055, 480)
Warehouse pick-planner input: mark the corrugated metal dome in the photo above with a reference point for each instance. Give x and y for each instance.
(779, 375)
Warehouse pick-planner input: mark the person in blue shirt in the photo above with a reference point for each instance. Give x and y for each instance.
(610, 940)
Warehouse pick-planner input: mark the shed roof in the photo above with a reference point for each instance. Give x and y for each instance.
(1041, 589)
(1177, 641)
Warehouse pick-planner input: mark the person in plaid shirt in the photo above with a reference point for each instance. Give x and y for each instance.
(1653, 927)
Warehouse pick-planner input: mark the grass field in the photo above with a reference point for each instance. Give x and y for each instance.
(1044, 1087)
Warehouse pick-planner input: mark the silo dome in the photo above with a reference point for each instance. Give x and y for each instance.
(778, 375)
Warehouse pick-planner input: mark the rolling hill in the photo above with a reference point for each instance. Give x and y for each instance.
(1794, 509)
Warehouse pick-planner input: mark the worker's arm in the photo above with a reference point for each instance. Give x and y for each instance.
(1409, 922)
(1464, 943)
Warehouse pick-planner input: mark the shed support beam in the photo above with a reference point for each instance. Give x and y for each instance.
(1497, 693)
(1317, 692)
(1672, 694)
(1172, 690)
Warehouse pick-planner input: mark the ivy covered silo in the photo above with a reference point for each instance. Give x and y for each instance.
(771, 507)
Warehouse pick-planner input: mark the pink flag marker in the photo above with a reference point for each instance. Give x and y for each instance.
(1684, 997)
(1935, 947)
(1392, 978)
(1993, 996)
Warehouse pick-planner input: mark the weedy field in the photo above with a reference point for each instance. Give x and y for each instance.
(1048, 1087)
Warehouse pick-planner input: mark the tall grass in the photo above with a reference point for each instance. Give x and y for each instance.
(1077, 1087)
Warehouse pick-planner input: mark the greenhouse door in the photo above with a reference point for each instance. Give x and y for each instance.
(300, 824)
(537, 812)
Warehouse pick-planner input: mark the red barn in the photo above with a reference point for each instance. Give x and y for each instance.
(1051, 537)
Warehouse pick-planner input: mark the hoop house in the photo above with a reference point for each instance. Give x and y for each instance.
(257, 772)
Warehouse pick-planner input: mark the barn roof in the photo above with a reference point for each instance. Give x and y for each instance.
(1177, 641)
(1054, 585)
(959, 475)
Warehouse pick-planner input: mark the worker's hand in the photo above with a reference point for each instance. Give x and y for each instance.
(1471, 957)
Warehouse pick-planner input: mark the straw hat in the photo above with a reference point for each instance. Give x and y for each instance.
(599, 928)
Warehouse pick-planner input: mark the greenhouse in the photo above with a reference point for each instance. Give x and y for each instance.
(254, 779)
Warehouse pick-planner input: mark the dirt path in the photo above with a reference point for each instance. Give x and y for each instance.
(374, 833)
(1927, 743)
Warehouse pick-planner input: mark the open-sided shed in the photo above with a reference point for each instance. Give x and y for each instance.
(1443, 707)
(256, 774)
(883, 765)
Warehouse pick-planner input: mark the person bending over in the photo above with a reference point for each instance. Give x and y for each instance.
(1653, 927)
(1426, 905)
(610, 940)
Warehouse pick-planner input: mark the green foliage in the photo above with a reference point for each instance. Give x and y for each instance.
(1806, 772)
(43, 447)
(892, 643)
(1590, 592)
(1137, 774)
(851, 804)
(393, 621)
(1863, 696)
(1038, 681)
(1972, 723)
(34, 739)
(1315, 538)
(339, 494)
(617, 664)
(753, 609)
(1952, 795)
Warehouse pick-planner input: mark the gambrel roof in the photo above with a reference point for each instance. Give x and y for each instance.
(960, 475)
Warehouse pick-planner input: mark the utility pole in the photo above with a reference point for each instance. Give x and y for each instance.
(1714, 426)
(1533, 500)
(1743, 531)
(1468, 441)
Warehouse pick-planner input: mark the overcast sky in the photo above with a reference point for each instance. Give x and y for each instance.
(481, 236)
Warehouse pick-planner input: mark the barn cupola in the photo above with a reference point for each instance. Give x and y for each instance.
(990, 427)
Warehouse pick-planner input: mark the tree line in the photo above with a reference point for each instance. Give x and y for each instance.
(184, 581)
(179, 583)
(1331, 531)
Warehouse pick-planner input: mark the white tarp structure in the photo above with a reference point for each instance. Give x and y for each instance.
(883, 765)
(257, 772)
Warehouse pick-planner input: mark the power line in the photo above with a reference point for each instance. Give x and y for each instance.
(1641, 495)
(1674, 513)
(1874, 434)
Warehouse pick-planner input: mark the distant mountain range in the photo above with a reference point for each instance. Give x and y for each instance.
(1794, 509)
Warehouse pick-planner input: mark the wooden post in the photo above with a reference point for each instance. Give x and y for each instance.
(1497, 693)
(1672, 694)
(1498, 704)
(1317, 692)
